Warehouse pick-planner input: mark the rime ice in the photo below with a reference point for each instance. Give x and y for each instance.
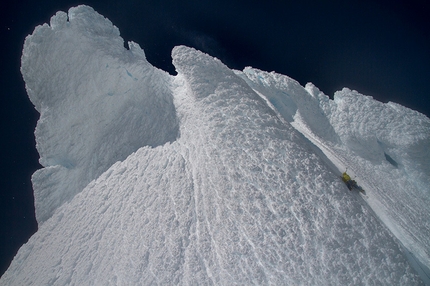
(212, 176)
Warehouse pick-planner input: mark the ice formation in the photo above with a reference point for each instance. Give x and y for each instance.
(212, 176)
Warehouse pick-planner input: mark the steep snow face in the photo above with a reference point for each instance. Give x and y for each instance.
(98, 103)
(231, 193)
(386, 147)
(371, 129)
(290, 101)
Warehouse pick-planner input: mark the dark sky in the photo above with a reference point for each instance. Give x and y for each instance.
(380, 48)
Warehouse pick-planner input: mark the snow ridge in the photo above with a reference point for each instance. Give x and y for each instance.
(384, 146)
(206, 177)
(98, 103)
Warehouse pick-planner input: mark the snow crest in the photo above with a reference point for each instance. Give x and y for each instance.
(225, 177)
(98, 103)
(385, 147)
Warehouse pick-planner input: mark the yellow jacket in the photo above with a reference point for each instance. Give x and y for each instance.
(345, 177)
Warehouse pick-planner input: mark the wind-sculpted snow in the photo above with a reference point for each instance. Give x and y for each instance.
(371, 128)
(98, 103)
(290, 100)
(391, 145)
(385, 146)
(235, 196)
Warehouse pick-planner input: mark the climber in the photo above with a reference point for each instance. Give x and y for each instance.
(352, 184)
(348, 181)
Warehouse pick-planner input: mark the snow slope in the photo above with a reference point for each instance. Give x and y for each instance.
(384, 146)
(202, 177)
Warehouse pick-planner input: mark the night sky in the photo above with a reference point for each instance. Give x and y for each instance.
(380, 48)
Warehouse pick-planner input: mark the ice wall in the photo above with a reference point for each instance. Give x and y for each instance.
(98, 103)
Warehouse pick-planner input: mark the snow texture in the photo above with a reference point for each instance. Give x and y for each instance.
(386, 147)
(212, 176)
(98, 103)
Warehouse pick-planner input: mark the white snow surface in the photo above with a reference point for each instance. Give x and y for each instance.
(357, 133)
(98, 103)
(212, 176)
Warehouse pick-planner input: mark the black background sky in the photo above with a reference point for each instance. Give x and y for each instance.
(380, 48)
